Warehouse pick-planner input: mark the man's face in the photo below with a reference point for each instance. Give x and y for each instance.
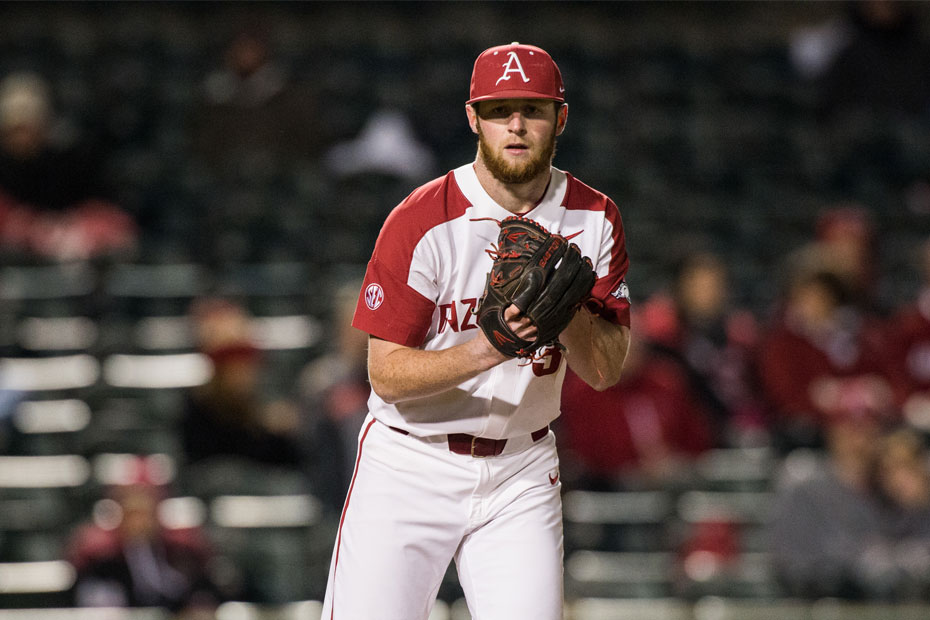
(247, 54)
(517, 137)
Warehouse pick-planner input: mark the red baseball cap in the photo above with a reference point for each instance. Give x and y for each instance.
(516, 71)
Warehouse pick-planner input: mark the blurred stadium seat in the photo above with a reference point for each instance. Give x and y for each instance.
(51, 335)
(630, 609)
(136, 290)
(736, 469)
(55, 374)
(41, 497)
(614, 574)
(95, 613)
(34, 583)
(618, 521)
(44, 427)
(298, 610)
(276, 541)
(718, 608)
(50, 290)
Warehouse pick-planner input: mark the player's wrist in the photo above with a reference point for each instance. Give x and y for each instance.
(485, 353)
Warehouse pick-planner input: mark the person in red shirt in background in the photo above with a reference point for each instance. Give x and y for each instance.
(127, 557)
(821, 354)
(909, 342)
(53, 201)
(642, 432)
(714, 341)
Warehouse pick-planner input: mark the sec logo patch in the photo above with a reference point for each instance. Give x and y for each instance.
(374, 296)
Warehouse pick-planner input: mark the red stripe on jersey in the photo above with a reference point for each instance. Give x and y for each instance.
(404, 316)
(345, 507)
(579, 196)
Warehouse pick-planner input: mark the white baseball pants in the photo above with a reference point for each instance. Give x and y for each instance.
(413, 507)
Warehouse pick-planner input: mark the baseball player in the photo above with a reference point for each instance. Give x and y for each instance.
(455, 459)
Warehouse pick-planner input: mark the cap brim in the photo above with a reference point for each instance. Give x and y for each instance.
(515, 94)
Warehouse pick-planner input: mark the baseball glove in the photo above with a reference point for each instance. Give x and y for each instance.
(542, 274)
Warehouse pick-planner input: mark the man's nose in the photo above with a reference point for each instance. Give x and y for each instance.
(516, 123)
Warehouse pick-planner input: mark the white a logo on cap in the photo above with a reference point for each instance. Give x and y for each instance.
(512, 66)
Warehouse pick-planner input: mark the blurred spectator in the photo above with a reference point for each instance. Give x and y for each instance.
(52, 201)
(902, 480)
(716, 344)
(228, 417)
(819, 356)
(334, 391)
(858, 527)
(813, 49)
(874, 58)
(126, 557)
(252, 110)
(386, 145)
(827, 525)
(909, 342)
(643, 431)
(846, 244)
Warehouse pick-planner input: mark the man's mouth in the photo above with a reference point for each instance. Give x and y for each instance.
(516, 148)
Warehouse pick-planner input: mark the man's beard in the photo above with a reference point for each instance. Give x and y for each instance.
(516, 173)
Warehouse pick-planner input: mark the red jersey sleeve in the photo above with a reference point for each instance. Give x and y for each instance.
(611, 290)
(388, 306)
(610, 294)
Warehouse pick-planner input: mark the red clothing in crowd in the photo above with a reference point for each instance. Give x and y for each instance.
(909, 343)
(651, 413)
(129, 559)
(808, 376)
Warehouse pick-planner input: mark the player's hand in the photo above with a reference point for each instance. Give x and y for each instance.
(515, 320)
(521, 324)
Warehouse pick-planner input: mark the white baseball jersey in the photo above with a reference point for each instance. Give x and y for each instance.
(414, 504)
(425, 277)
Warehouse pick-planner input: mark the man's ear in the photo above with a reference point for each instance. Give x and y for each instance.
(561, 118)
(472, 115)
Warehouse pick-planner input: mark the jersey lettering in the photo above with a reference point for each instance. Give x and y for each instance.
(509, 67)
(449, 315)
(471, 314)
(548, 362)
(374, 296)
